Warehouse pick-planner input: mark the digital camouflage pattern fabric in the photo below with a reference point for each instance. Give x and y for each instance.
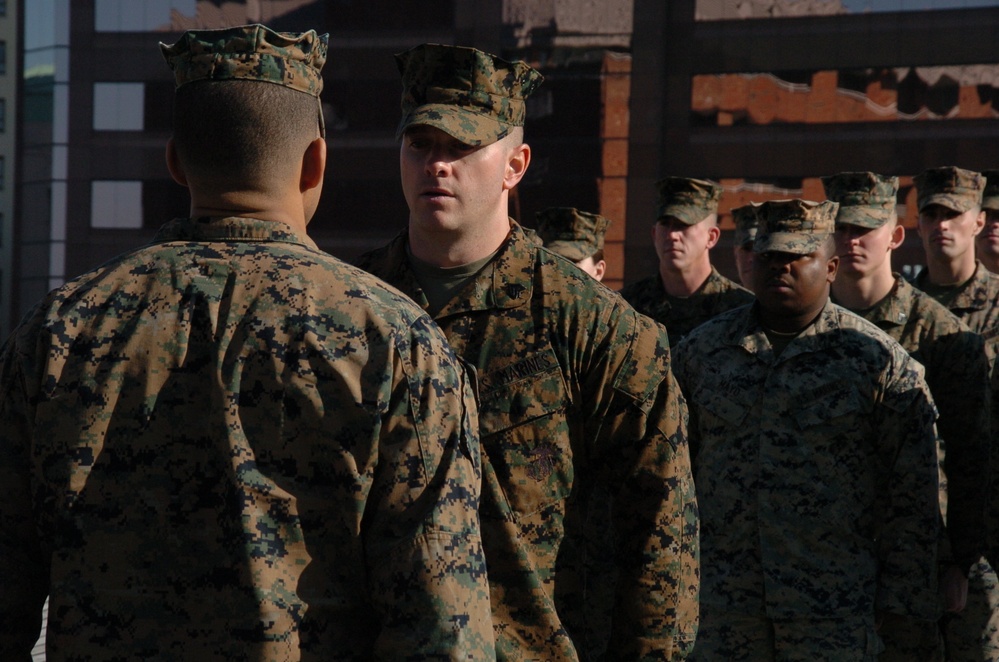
(580, 420)
(688, 200)
(470, 95)
(975, 633)
(992, 514)
(957, 373)
(949, 186)
(230, 445)
(250, 52)
(985, 576)
(738, 636)
(747, 223)
(681, 315)
(975, 302)
(865, 199)
(816, 475)
(794, 226)
(571, 233)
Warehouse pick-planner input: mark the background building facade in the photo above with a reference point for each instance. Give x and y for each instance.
(96, 100)
(9, 81)
(764, 96)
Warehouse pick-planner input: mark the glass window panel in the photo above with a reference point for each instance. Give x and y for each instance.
(139, 15)
(119, 106)
(116, 204)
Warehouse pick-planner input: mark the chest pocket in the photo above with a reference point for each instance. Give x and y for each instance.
(525, 434)
(729, 410)
(825, 407)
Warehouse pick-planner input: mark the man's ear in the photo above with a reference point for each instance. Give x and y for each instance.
(897, 237)
(979, 222)
(174, 165)
(714, 234)
(600, 268)
(832, 267)
(516, 165)
(313, 165)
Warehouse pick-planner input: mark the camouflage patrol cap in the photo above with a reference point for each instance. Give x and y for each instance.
(688, 200)
(866, 199)
(990, 196)
(747, 223)
(794, 226)
(250, 52)
(470, 95)
(571, 233)
(951, 187)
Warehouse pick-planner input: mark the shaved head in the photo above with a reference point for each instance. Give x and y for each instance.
(242, 133)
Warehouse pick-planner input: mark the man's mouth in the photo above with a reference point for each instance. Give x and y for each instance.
(436, 192)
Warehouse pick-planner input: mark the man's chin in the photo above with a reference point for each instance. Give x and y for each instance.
(941, 253)
(857, 267)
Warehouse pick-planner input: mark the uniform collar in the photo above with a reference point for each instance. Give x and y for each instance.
(229, 228)
(750, 336)
(711, 285)
(506, 282)
(975, 294)
(893, 309)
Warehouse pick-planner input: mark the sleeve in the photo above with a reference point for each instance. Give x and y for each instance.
(686, 380)
(23, 566)
(642, 440)
(958, 378)
(909, 505)
(424, 557)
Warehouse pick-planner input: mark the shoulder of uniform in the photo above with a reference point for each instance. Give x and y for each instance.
(721, 325)
(380, 255)
(925, 307)
(640, 286)
(862, 328)
(992, 281)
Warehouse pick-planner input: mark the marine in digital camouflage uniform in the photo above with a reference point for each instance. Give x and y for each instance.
(867, 231)
(987, 242)
(687, 291)
(814, 453)
(747, 223)
(990, 204)
(575, 235)
(227, 444)
(576, 397)
(950, 217)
